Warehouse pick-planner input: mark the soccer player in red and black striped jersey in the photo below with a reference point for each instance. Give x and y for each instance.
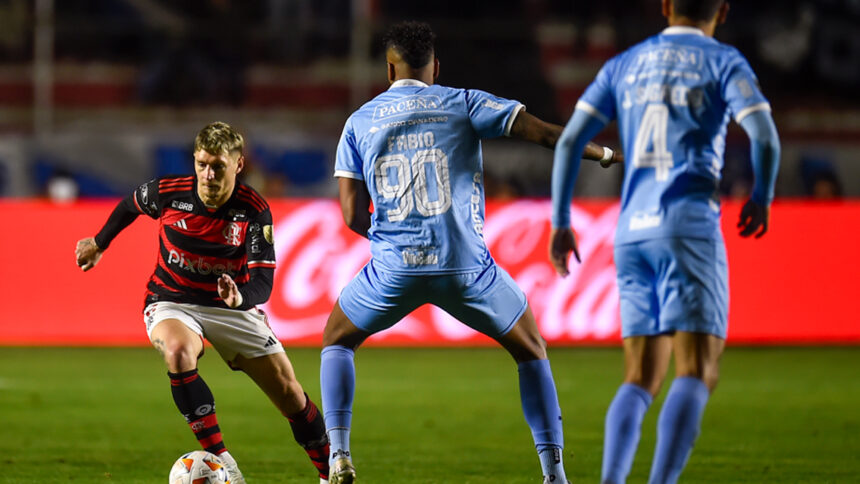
(216, 262)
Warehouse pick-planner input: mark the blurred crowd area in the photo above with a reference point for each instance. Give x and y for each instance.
(97, 95)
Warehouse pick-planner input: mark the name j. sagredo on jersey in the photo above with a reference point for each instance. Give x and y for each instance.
(198, 244)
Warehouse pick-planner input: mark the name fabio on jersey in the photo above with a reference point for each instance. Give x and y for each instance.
(411, 141)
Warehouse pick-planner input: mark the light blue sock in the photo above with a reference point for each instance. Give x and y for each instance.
(622, 430)
(677, 428)
(337, 383)
(543, 414)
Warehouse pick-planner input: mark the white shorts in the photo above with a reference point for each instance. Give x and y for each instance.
(231, 332)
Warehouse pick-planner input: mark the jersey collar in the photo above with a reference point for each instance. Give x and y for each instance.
(407, 82)
(682, 29)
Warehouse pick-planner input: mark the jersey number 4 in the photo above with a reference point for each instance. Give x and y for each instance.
(650, 148)
(409, 193)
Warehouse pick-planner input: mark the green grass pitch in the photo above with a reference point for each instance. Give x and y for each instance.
(85, 415)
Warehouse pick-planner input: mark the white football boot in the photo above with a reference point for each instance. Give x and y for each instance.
(232, 468)
(342, 472)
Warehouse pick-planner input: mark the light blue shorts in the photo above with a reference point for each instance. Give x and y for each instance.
(488, 301)
(673, 284)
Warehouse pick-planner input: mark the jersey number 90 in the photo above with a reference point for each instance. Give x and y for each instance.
(411, 193)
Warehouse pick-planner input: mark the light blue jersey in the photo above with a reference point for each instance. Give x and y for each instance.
(673, 96)
(418, 150)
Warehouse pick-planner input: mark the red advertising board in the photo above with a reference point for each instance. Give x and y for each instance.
(794, 286)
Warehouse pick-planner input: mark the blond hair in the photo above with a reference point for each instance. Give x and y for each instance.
(219, 138)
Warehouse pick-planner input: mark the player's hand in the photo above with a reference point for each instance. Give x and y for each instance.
(754, 218)
(87, 253)
(229, 291)
(561, 243)
(617, 157)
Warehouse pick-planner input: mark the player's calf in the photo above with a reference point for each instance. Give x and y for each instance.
(309, 431)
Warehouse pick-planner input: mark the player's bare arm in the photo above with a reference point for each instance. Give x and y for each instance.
(355, 205)
(531, 128)
(87, 253)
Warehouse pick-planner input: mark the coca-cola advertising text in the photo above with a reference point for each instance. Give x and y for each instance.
(793, 286)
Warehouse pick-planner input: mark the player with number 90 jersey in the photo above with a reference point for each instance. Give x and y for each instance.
(673, 95)
(418, 149)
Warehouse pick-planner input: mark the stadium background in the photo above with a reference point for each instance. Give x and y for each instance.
(97, 96)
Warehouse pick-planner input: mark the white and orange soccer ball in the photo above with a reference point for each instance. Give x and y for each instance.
(199, 467)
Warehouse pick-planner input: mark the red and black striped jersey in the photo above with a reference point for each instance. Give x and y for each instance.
(198, 244)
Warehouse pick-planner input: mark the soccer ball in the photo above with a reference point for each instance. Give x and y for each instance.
(199, 467)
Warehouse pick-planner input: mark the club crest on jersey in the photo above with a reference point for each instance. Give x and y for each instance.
(233, 234)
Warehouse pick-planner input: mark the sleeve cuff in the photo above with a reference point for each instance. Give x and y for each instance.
(348, 174)
(513, 117)
(241, 305)
(101, 243)
(560, 220)
(751, 109)
(591, 110)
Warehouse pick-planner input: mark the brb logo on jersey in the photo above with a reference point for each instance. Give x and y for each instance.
(233, 234)
(184, 206)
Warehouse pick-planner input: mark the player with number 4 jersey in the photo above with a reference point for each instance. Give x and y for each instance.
(673, 96)
(414, 151)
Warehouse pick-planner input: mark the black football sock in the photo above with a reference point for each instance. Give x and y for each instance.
(196, 403)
